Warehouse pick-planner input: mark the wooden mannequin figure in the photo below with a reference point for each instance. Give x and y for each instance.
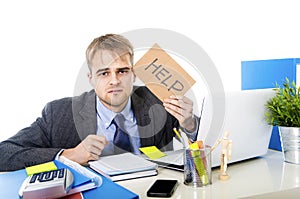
(225, 154)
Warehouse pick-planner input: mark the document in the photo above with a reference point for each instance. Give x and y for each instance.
(124, 166)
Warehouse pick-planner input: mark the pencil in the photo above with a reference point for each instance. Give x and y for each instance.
(180, 138)
(177, 133)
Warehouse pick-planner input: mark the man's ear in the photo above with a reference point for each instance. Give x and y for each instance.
(89, 75)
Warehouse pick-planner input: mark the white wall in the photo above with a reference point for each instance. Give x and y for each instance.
(42, 43)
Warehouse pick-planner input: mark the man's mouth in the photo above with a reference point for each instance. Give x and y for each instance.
(115, 91)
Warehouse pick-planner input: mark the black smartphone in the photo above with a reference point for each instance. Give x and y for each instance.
(162, 188)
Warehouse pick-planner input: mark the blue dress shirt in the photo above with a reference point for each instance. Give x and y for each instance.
(107, 129)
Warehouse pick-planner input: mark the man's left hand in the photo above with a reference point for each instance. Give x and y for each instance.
(181, 108)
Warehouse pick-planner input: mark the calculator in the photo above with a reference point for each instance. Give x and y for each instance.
(50, 184)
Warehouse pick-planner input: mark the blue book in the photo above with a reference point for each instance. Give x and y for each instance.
(258, 74)
(11, 182)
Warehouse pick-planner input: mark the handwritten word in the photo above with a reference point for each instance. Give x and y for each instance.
(162, 74)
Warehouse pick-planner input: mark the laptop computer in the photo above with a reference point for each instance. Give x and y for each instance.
(244, 119)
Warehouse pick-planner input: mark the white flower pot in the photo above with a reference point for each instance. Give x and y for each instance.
(290, 143)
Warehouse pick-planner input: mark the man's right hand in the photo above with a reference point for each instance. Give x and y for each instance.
(89, 149)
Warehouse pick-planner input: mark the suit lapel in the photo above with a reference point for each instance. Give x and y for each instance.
(85, 114)
(151, 118)
(145, 126)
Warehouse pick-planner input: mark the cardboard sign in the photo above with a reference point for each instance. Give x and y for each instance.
(162, 74)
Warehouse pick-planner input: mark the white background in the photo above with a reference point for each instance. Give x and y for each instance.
(42, 43)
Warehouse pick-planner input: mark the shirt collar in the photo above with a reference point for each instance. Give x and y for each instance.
(106, 115)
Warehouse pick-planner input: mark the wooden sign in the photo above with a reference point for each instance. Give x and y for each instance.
(162, 74)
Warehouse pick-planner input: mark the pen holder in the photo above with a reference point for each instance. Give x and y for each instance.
(197, 167)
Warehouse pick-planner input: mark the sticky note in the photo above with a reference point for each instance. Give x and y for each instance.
(152, 152)
(48, 166)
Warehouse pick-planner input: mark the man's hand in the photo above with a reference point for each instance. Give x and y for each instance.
(181, 108)
(89, 149)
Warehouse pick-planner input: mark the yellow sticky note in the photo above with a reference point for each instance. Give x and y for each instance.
(48, 166)
(152, 152)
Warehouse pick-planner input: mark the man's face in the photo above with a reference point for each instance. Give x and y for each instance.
(112, 78)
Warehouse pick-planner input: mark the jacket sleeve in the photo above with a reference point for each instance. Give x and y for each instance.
(40, 142)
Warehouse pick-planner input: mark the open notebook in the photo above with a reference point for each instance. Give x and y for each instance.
(244, 119)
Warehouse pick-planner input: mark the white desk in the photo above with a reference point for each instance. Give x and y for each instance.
(263, 175)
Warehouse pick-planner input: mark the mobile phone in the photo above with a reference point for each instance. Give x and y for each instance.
(162, 188)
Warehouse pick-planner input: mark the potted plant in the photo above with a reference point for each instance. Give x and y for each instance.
(283, 110)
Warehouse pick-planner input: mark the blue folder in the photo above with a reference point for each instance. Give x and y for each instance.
(10, 183)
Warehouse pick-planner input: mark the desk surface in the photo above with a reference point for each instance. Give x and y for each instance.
(250, 178)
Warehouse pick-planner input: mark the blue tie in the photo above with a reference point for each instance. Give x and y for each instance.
(121, 138)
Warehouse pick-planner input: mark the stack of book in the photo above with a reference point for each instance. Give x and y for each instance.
(124, 167)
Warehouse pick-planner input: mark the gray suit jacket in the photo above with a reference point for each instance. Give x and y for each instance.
(66, 122)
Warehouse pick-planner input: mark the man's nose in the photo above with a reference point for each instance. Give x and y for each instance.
(115, 79)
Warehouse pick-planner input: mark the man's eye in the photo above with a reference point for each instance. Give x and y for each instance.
(103, 74)
(123, 71)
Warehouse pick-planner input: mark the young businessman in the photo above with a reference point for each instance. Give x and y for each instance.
(84, 127)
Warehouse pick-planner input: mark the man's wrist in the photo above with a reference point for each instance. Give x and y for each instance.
(193, 133)
(193, 126)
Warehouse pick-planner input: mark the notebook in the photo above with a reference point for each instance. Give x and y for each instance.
(124, 166)
(244, 119)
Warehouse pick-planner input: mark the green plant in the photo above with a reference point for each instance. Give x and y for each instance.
(284, 108)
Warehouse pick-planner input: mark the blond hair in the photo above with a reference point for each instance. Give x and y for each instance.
(112, 42)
